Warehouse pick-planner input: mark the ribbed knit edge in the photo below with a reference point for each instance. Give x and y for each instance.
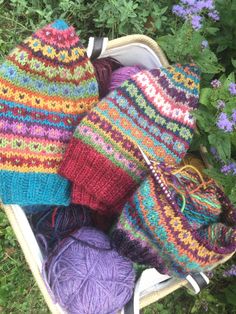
(81, 196)
(33, 188)
(96, 174)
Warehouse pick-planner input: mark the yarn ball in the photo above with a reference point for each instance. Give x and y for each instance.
(87, 276)
(103, 72)
(122, 74)
(55, 223)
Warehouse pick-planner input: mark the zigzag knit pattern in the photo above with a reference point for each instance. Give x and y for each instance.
(47, 84)
(152, 110)
(153, 232)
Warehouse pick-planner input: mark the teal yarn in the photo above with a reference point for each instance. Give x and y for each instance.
(60, 25)
(31, 187)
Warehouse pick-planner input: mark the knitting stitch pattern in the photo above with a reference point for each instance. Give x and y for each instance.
(152, 110)
(135, 112)
(161, 236)
(47, 84)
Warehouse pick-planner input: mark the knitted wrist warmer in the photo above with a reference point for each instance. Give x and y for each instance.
(157, 232)
(152, 110)
(47, 84)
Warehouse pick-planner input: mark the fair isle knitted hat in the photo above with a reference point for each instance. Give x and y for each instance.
(47, 84)
(156, 230)
(152, 110)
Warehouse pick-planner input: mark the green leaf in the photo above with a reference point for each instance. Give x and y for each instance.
(229, 79)
(230, 293)
(222, 143)
(233, 62)
(208, 62)
(205, 95)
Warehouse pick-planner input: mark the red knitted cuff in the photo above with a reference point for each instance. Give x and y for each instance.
(81, 196)
(96, 174)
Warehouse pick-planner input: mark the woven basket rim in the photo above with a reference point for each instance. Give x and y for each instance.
(139, 39)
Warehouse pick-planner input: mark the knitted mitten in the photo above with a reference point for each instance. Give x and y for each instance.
(47, 84)
(157, 231)
(152, 110)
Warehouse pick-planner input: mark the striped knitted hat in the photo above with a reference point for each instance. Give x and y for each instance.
(152, 110)
(176, 238)
(47, 84)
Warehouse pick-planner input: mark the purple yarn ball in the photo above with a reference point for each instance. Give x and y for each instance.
(87, 276)
(122, 74)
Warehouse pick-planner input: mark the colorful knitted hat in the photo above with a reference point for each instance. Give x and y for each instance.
(47, 84)
(152, 110)
(177, 238)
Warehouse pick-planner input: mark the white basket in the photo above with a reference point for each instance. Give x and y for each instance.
(152, 286)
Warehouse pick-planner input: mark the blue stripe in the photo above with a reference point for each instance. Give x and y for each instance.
(13, 105)
(145, 191)
(69, 91)
(34, 188)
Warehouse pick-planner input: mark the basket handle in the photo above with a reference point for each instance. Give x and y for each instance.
(96, 46)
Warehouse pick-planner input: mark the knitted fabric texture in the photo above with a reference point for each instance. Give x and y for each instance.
(47, 84)
(153, 230)
(152, 110)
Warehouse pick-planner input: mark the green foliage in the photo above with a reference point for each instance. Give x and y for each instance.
(212, 136)
(110, 18)
(114, 18)
(218, 60)
(184, 45)
(18, 291)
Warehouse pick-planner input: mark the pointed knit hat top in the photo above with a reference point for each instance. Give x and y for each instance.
(47, 84)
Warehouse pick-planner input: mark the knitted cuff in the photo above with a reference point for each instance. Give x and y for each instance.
(150, 110)
(96, 185)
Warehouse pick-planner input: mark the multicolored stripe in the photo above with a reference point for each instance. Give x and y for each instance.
(47, 84)
(164, 237)
(145, 112)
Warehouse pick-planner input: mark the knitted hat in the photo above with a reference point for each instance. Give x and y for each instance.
(156, 230)
(152, 110)
(47, 84)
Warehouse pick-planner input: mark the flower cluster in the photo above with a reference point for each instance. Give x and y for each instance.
(230, 272)
(229, 169)
(224, 123)
(195, 11)
(215, 83)
(232, 89)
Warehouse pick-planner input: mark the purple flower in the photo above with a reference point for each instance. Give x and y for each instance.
(225, 169)
(224, 123)
(196, 22)
(204, 5)
(234, 115)
(188, 2)
(230, 168)
(215, 83)
(230, 272)
(195, 10)
(213, 150)
(220, 104)
(214, 15)
(204, 44)
(232, 88)
(179, 10)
